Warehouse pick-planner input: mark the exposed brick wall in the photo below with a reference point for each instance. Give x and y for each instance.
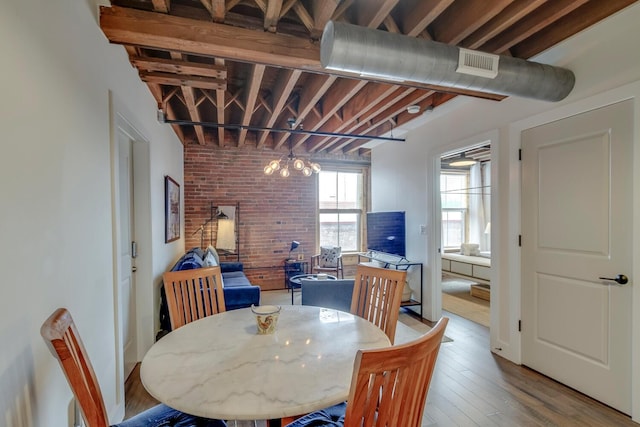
(273, 211)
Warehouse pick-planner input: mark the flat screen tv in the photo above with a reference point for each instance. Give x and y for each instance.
(386, 232)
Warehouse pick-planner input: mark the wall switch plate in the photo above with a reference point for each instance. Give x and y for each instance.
(423, 229)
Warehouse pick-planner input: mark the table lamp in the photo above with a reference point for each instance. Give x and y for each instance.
(294, 245)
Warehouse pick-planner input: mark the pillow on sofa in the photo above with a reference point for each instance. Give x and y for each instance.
(212, 250)
(470, 249)
(209, 260)
(329, 256)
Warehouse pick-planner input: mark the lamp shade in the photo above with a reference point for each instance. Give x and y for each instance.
(294, 245)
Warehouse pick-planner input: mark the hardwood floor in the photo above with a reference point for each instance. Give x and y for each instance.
(473, 387)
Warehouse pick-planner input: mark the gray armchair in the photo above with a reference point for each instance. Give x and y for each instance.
(334, 294)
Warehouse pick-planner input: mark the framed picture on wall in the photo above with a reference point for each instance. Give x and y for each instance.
(171, 209)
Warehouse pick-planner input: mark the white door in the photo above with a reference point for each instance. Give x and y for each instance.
(576, 229)
(126, 284)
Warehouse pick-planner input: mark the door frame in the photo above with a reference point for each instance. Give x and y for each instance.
(435, 224)
(622, 93)
(142, 225)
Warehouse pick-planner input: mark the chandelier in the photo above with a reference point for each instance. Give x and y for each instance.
(282, 164)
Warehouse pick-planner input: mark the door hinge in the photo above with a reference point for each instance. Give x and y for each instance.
(519, 325)
(134, 249)
(520, 240)
(520, 154)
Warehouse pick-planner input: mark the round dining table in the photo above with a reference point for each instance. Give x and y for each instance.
(219, 367)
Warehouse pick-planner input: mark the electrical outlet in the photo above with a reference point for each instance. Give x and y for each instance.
(423, 229)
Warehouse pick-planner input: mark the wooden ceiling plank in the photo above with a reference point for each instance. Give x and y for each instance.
(531, 24)
(179, 67)
(180, 80)
(162, 6)
(218, 10)
(252, 91)
(281, 92)
(372, 13)
(341, 92)
(322, 11)
(315, 88)
(568, 25)
(272, 15)
(505, 19)
(461, 19)
(416, 19)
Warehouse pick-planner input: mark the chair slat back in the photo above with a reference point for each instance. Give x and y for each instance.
(389, 386)
(193, 294)
(377, 294)
(63, 340)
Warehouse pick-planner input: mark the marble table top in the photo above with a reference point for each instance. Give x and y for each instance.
(219, 367)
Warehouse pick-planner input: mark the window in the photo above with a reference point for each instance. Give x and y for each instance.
(454, 208)
(340, 208)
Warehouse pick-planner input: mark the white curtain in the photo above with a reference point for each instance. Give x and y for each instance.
(486, 180)
(477, 223)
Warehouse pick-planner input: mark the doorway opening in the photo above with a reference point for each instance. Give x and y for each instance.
(465, 196)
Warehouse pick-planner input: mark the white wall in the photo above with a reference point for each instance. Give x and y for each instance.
(607, 67)
(55, 197)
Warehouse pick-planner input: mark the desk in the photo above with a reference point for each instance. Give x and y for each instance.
(218, 367)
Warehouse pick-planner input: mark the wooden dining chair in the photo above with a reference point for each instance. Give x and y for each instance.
(193, 294)
(389, 386)
(61, 335)
(377, 294)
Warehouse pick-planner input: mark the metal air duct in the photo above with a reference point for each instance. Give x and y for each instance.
(396, 57)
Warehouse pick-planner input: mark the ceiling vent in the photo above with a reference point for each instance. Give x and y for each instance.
(477, 63)
(393, 57)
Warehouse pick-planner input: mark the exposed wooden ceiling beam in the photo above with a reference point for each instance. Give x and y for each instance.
(218, 10)
(461, 19)
(568, 25)
(341, 92)
(190, 100)
(181, 80)
(314, 90)
(322, 11)
(354, 110)
(179, 67)
(372, 13)
(285, 84)
(162, 6)
(220, 107)
(173, 33)
(531, 24)
(272, 15)
(165, 32)
(508, 17)
(252, 91)
(416, 19)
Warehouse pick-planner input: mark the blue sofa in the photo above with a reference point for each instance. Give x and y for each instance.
(238, 291)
